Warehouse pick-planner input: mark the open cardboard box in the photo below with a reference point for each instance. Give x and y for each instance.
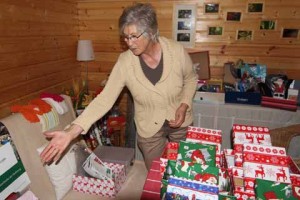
(201, 64)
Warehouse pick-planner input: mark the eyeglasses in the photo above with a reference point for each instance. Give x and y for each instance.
(132, 38)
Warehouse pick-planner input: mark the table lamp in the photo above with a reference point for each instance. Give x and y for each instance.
(85, 53)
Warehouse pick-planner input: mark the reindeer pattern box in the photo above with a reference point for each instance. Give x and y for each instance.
(265, 162)
(248, 134)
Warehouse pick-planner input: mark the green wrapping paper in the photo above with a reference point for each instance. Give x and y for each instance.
(198, 172)
(265, 190)
(226, 197)
(197, 153)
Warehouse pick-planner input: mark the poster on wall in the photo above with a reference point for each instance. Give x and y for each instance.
(184, 19)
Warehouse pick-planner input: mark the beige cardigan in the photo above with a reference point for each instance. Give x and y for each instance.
(153, 103)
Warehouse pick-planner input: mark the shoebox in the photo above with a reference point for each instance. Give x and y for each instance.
(252, 98)
(104, 187)
(209, 97)
(113, 154)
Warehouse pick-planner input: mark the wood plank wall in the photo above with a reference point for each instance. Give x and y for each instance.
(98, 21)
(37, 49)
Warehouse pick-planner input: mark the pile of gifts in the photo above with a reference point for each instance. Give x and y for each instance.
(197, 168)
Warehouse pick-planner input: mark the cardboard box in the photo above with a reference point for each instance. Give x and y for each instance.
(252, 98)
(120, 155)
(201, 64)
(103, 187)
(13, 177)
(209, 97)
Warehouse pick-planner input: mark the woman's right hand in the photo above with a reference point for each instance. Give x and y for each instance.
(60, 140)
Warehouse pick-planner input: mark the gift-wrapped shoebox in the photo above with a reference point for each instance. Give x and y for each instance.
(194, 174)
(206, 136)
(248, 134)
(257, 164)
(107, 178)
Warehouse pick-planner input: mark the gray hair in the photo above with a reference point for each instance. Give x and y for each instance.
(143, 16)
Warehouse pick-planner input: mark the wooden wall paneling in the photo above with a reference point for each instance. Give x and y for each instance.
(5, 107)
(21, 74)
(38, 49)
(98, 21)
(21, 44)
(31, 86)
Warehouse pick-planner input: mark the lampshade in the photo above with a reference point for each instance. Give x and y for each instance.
(85, 50)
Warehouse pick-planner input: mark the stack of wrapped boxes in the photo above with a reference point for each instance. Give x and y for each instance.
(197, 168)
(192, 168)
(257, 169)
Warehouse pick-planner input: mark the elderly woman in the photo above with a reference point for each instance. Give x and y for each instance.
(159, 74)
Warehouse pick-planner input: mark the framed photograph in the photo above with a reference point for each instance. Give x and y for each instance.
(184, 25)
(184, 20)
(211, 8)
(290, 33)
(234, 16)
(267, 25)
(215, 30)
(255, 7)
(245, 35)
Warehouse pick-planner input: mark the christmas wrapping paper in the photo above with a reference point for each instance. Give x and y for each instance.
(170, 169)
(265, 162)
(170, 153)
(248, 134)
(152, 186)
(237, 177)
(197, 153)
(242, 194)
(197, 172)
(295, 179)
(224, 180)
(206, 136)
(102, 187)
(265, 190)
(185, 189)
(228, 158)
(226, 197)
(251, 134)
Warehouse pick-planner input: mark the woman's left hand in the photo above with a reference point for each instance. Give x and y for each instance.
(179, 116)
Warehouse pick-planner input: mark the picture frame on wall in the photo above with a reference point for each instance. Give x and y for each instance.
(290, 33)
(244, 35)
(267, 25)
(215, 30)
(255, 7)
(211, 8)
(234, 16)
(184, 20)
